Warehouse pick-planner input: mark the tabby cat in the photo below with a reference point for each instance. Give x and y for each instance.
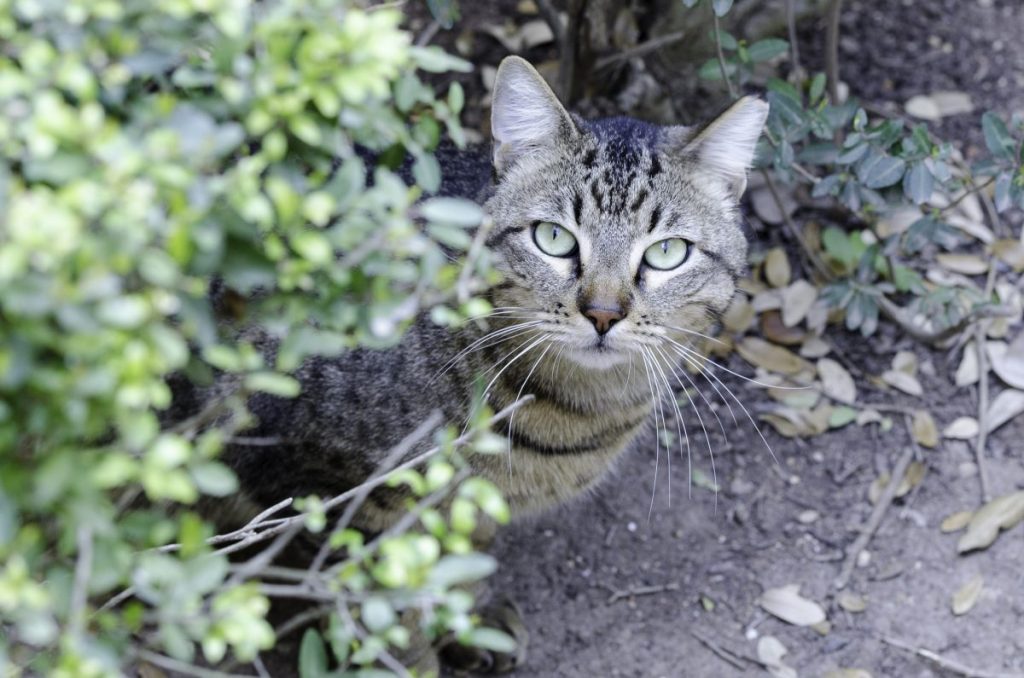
(618, 240)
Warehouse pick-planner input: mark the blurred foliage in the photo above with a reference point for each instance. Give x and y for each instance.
(149, 147)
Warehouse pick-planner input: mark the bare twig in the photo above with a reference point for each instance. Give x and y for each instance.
(729, 656)
(183, 668)
(721, 56)
(428, 33)
(794, 50)
(642, 591)
(80, 587)
(475, 248)
(973, 188)
(877, 514)
(793, 229)
(832, 50)
(645, 47)
(948, 664)
(979, 448)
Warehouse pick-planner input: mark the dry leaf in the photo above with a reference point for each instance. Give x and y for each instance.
(787, 604)
(761, 353)
(765, 207)
(1000, 513)
(903, 381)
(968, 264)
(972, 226)
(815, 347)
(905, 361)
(967, 596)
(776, 267)
(836, 382)
(938, 105)
(770, 652)
(739, 316)
(766, 300)
(847, 673)
(527, 7)
(956, 521)
(1009, 365)
(869, 416)
(851, 602)
(774, 330)
(797, 300)
(962, 428)
(924, 429)
(969, 370)
(1011, 252)
(1007, 405)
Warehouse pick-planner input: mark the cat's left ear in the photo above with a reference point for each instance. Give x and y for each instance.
(726, 145)
(525, 114)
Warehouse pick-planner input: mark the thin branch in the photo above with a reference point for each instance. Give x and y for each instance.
(793, 229)
(794, 50)
(948, 664)
(973, 188)
(979, 344)
(80, 586)
(642, 591)
(864, 538)
(832, 50)
(641, 49)
(721, 55)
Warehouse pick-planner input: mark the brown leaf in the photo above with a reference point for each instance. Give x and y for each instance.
(1011, 252)
(924, 429)
(776, 331)
(739, 316)
(968, 264)
(903, 381)
(967, 596)
(836, 382)
(776, 267)
(906, 362)
(815, 347)
(847, 673)
(761, 353)
(851, 602)
(1001, 513)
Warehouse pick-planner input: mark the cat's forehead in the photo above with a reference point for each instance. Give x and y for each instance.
(623, 142)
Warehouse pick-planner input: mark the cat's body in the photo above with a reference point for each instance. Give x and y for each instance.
(617, 239)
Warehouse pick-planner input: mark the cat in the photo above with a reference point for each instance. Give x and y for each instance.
(618, 240)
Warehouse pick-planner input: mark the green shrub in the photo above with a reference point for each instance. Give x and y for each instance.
(150, 146)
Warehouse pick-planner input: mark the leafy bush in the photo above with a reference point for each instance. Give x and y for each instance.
(150, 147)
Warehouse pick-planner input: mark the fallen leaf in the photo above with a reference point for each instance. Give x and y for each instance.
(962, 428)
(841, 416)
(739, 316)
(836, 382)
(969, 370)
(803, 399)
(967, 596)
(905, 361)
(776, 267)
(922, 106)
(903, 381)
(787, 604)
(761, 353)
(939, 104)
(897, 220)
(851, 602)
(766, 300)
(770, 652)
(1011, 252)
(777, 332)
(956, 521)
(797, 300)
(924, 429)
(527, 7)
(1001, 513)
(847, 673)
(767, 209)
(1009, 365)
(869, 416)
(1007, 405)
(968, 264)
(815, 347)
(972, 226)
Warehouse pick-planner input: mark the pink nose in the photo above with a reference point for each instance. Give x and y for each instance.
(603, 318)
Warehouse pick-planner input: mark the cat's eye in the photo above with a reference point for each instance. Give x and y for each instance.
(667, 254)
(553, 239)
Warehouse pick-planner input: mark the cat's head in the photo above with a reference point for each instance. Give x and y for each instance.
(613, 233)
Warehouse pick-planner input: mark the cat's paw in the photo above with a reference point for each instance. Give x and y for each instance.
(503, 615)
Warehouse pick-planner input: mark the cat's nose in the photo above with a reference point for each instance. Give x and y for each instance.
(603, 317)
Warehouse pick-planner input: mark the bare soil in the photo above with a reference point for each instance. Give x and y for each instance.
(614, 585)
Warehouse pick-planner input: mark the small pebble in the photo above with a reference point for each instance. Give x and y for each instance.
(968, 469)
(631, 526)
(863, 558)
(807, 517)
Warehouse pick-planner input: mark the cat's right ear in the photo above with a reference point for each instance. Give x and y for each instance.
(525, 113)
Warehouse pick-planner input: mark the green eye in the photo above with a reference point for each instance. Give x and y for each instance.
(667, 254)
(553, 239)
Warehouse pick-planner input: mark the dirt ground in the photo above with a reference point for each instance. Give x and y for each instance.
(613, 587)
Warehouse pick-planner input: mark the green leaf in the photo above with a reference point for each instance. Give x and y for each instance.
(721, 7)
(817, 88)
(879, 170)
(445, 12)
(312, 655)
(997, 137)
(711, 70)
(726, 39)
(273, 383)
(455, 211)
(918, 183)
(377, 614)
(459, 569)
(764, 50)
(490, 639)
(214, 478)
